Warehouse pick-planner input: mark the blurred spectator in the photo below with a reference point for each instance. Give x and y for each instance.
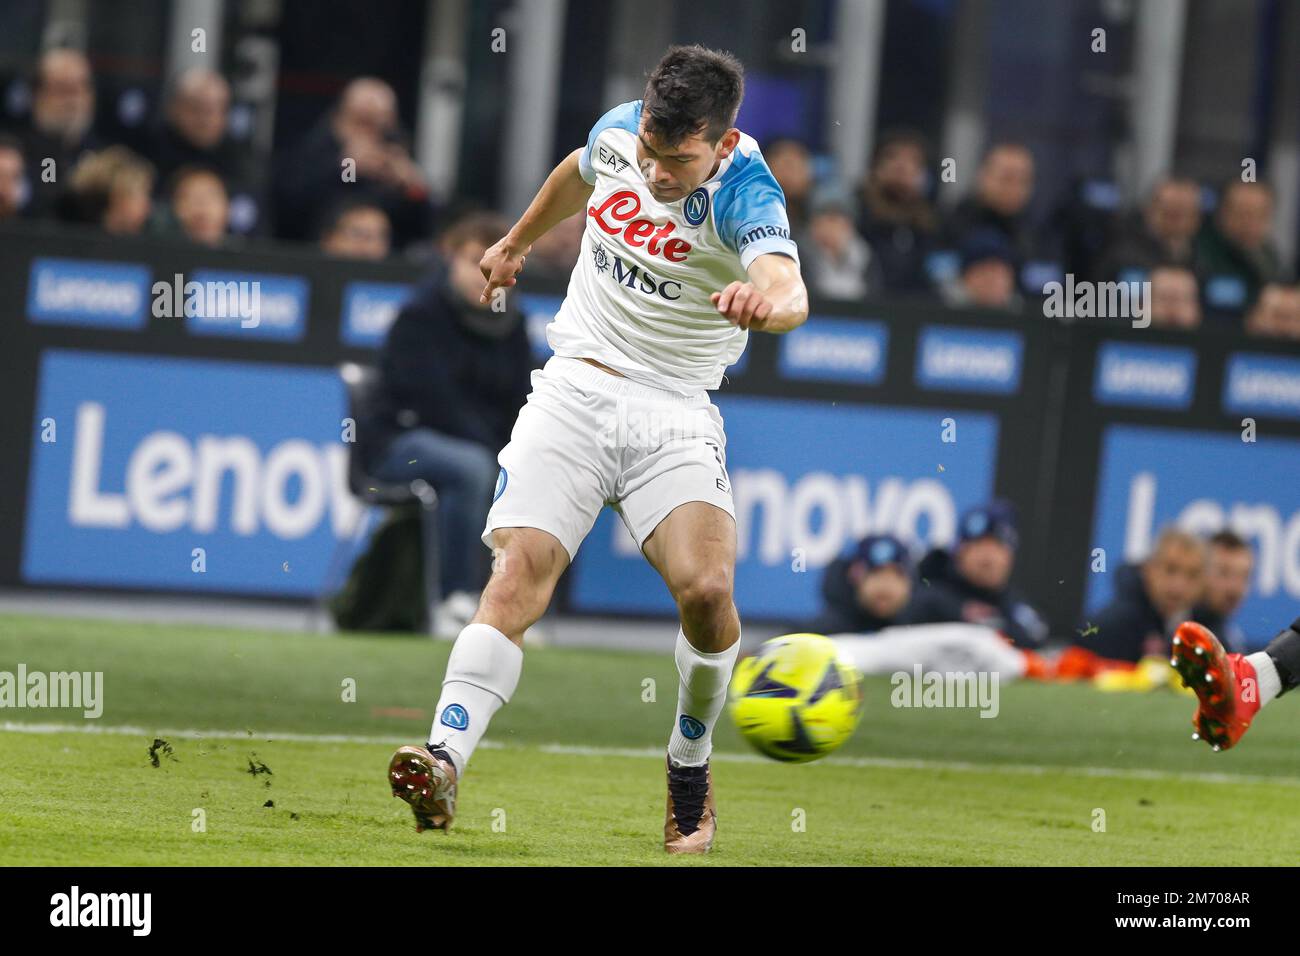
(897, 219)
(112, 189)
(556, 253)
(1227, 583)
(454, 375)
(1175, 298)
(837, 263)
(195, 131)
(63, 110)
(867, 591)
(12, 184)
(971, 583)
(1164, 232)
(1235, 250)
(987, 279)
(1275, 313)
(791, 165)
(361, 130)
(1003, 187)
(357, 229)
(1150, 600)
(200, 205)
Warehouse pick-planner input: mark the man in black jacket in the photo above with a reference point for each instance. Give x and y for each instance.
(868, 590)
(970, 583)
(1149, 600)
(454, 376)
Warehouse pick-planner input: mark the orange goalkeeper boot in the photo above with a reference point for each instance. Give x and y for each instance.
(1225, 685)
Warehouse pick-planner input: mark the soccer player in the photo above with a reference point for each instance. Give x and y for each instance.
(686, 250)
(1232, 688)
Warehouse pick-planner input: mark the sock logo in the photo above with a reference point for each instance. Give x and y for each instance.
(691, 728)
(454, 716)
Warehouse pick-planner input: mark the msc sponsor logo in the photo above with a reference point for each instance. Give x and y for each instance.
(1263, 384)
(282, 309)
(618, 215)
(969, 360)
(369, 308)
(835, 350)
(244, 462)
(634, 276)
(86, 292)
(1152, 376)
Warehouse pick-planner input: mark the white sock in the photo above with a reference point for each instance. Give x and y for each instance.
(482, 673)
(700, 696)
(1270, 684)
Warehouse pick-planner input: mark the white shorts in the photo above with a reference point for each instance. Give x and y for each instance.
(587, 438)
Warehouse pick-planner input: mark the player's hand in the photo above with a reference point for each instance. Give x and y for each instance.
(743, 305)
(500, 264)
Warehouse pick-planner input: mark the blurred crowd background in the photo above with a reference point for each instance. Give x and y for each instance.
(966, 150)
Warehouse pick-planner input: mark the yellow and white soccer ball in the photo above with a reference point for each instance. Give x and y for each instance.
(797, 699)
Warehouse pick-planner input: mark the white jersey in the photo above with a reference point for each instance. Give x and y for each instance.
(638, 299)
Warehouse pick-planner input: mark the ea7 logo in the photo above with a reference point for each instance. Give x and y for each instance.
(612, 159)
(103, 909)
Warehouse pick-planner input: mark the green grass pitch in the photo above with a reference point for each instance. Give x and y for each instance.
(572, 771)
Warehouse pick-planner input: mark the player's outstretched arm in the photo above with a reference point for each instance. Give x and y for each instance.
(774, 300)
(563, 194)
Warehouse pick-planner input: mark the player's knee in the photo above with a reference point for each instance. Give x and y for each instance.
(707, 595)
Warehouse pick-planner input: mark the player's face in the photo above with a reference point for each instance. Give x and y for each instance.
(986, 563)
(1227, 580)
(1174, 579)
(885, 591)
(672, 170)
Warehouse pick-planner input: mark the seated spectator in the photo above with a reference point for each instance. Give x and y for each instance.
(1175, 299)
(200, 206)
(1235, 254)
(63, 111)
(897, 219)
(1150, 600)
(837, 262)
(111, 189)
(13, 185)
(791, 165)
(972, 582)
(1229, 565)
(195, 131)
(1164, 233)
(1276, 313)
(987, 279)
(867, 591)
(356, 229)
(362, 129)
(556, 253)
(1004, 186)
(454, 375)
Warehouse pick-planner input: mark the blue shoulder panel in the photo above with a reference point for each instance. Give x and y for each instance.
(626, 116)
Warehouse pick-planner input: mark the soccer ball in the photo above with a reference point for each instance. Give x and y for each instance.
(797, 699)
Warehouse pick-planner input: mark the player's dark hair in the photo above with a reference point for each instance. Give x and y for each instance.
(693, 90)
(1229, 539)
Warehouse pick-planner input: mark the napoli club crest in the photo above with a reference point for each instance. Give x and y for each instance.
(695, 208)
(455, 716)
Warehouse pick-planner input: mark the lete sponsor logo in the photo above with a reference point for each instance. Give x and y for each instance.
(1262, 385)
(236, 482)
(87, 292)
(807, 480)
(969, 360)
(1151, 376)
(617, 215)
(1202, 481)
